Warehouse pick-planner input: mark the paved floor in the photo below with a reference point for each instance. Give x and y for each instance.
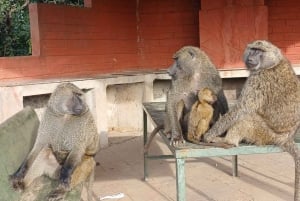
(265, 177)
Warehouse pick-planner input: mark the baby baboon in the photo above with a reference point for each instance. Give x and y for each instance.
(191, 71)
(201, 115)
(68, 132)
(268, 109)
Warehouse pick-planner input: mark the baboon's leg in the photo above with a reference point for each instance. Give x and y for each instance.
(44, 164)
(17, 179)
(82, 173)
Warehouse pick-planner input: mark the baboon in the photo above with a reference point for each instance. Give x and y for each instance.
(268, 109)
(200, 117)
(191, 71)
(68, 134)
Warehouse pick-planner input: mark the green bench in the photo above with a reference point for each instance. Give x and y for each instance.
(155, 112)
(17, 136)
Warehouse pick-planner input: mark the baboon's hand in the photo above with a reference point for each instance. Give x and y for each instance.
(65, 176)
(17, 182)
(208, 137)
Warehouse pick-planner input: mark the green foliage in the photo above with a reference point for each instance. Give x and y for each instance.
(65, 2)
(15, 28)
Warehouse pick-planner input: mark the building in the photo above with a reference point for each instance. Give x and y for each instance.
(119, 49)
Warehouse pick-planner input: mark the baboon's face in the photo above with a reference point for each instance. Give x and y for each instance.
(67, 99)
(207, 95)
(183, 63)
(254, 59)
(74, 105)
(261, 55)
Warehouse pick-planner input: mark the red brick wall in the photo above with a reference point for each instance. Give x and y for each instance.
(284, 27)
(100, 40)
(163, 28)
(227, 26)
(111, 36)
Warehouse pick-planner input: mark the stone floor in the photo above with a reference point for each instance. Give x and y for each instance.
(265, 177)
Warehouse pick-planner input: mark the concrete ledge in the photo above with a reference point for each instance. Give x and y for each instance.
(115, 100)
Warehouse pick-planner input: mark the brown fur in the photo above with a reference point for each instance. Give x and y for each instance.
(201, 115)
(268, 109)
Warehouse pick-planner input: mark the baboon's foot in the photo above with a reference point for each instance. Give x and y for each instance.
(177, 140)
(57, 194)
(219, 142)
(210, 138)
(17, 183)
(216, 144)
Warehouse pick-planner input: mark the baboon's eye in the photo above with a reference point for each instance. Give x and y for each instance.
(77, 94)
(191, 53)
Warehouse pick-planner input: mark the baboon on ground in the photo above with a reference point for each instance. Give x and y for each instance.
(268, 109)
(191, 71)
(200, 117)
(67, 140)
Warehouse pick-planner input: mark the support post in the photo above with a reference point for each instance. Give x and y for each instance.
(180, 179)
(235, 166)
(145, 141)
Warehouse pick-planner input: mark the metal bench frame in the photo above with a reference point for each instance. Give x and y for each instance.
(155, 111)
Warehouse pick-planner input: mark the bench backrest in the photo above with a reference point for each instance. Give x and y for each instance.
(17, 136)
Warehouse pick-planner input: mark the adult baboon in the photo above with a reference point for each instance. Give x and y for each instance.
(191, 71)
(268, 109)
(67, 138)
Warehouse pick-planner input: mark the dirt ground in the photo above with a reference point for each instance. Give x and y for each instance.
(264, 177)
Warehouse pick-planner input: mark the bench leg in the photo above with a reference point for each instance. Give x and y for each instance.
(180, 179)
(145, 141)
(235, 165)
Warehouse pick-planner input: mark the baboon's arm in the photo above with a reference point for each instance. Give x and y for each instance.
(20, 173)
(224, 123)
(175, 112)
(73, 159)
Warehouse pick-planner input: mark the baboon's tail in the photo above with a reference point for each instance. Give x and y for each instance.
(153, 133)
